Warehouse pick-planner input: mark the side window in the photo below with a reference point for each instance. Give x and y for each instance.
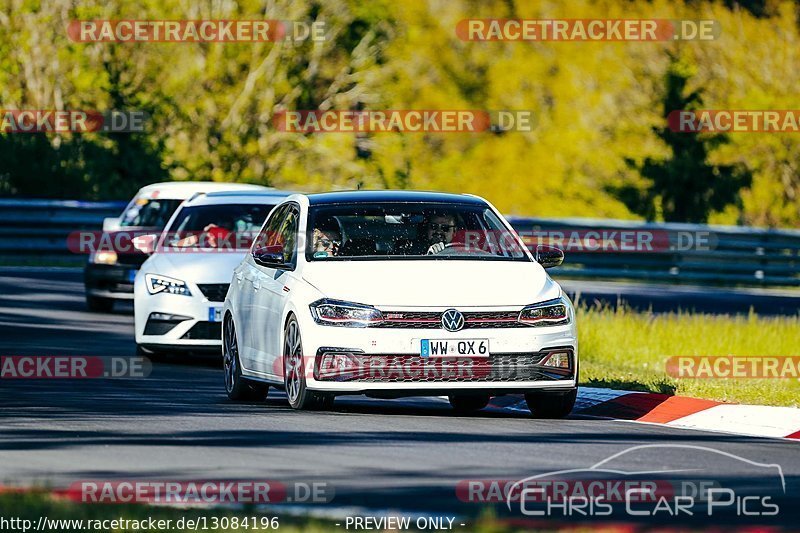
(288, 235)
(270, 234)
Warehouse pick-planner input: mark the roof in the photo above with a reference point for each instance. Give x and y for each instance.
(262, 194)
(180, 190)
(392, 196)
(269, 197)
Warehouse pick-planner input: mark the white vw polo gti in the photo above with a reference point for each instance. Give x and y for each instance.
(398, 293)
(180, 288)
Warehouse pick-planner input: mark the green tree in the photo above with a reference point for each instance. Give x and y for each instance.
(684, 187)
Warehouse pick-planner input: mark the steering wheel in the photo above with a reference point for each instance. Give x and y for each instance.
(460, 248)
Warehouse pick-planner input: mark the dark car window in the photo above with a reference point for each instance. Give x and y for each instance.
(228, 226)
(288, 235)
(270, 235)
(395, 230)
(149, 212)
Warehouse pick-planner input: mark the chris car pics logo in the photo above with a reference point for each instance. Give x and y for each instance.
(656, 480)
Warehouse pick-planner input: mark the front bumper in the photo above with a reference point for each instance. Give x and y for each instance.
(391, 365)
(176, 322)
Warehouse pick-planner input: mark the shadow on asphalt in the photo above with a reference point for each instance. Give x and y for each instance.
(48, 439)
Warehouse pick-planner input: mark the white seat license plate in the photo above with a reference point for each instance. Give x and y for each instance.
(214, 314)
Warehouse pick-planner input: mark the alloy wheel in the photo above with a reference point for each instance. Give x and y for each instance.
(293, 361)
(230, 355)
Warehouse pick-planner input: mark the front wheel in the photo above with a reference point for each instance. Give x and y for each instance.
(294, 376)
(469, 404)
(551, 404)
(237, 387)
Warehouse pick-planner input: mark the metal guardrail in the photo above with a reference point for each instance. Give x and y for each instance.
(37, 230)
(684, 253)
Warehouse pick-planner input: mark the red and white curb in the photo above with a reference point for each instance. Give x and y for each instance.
(678, 411)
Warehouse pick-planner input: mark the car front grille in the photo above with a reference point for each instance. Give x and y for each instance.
(215, 292)
(433, 320)
(204, 331)
(507, 367)
(131, 259)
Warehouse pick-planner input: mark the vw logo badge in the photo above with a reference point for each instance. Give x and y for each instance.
(452, 320)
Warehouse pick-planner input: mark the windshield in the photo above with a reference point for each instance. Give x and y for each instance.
(409, 231)
(230, 226)
(149, 212)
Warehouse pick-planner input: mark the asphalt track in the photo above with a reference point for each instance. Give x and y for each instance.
(407, 455)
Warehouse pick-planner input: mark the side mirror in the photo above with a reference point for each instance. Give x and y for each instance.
(145, 243)
(548, 256)
(111, 223)
(269, 256)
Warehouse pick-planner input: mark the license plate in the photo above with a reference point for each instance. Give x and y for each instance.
(131, 275)
(454, 348)
(214, 314)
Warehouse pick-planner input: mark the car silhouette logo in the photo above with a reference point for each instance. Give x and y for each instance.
(452, 320)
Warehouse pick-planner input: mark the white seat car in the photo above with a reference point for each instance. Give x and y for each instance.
(398, 293)
(180, 289)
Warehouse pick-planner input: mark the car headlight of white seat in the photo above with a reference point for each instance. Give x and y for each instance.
(550, 313)
(157, 284)
(344, 314)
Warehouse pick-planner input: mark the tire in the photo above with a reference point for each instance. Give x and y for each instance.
(551, 404)
(96, 304)
(294, 378)
(237, 386)
(469, 403)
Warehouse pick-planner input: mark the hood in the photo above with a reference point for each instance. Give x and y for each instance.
(195, 267)
(432, 283)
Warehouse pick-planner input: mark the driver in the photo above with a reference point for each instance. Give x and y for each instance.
(439, 231)
(217, 235)
(212, 236)
(327, 238)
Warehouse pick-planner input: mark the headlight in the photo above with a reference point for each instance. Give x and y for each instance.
(549, 313)
(156, 284)
(103, 258)
(338, 313)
